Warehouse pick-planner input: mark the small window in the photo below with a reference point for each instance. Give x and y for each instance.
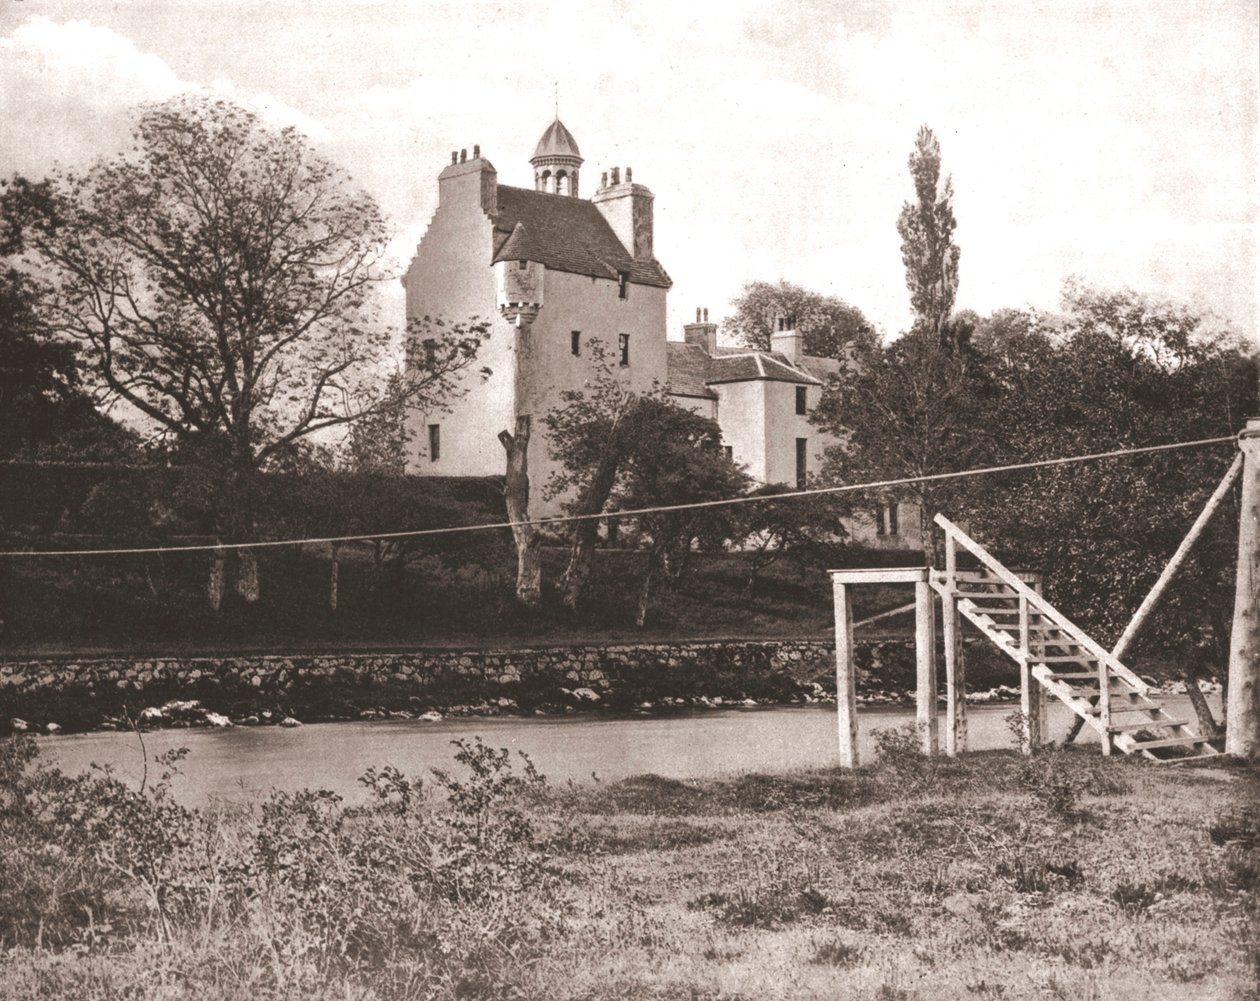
(623, 281)
(623, 341)
(891, 515)
(729, 452)
(886, 519)
(575, 342)
(800, 463)
(800, 399)
(522, 264)
(435, 442)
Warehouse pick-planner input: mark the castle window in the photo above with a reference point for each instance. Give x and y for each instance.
(800, 399)
(623, 281)
(522, 264)
(886, 519)
(575, 342)
(435, 442)
(623, 343)
(800, 463)
(729, 452)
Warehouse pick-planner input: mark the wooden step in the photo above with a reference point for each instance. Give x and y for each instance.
(1066, 658)
(1147, 724)
(1084, 675)
(1146, 745)
(1121, 708)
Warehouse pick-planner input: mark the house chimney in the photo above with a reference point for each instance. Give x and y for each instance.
(628, 209)
(702, 332)
(786, 340)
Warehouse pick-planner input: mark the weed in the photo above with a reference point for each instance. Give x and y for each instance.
(835, 952)
(901, 750)
(1134, 898)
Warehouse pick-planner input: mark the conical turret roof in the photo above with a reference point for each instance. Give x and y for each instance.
(557, 141)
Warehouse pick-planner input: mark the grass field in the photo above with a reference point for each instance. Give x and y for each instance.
(994, 876)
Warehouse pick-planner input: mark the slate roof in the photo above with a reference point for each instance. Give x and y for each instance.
(692, 370)
(565, 234)
(687, 370)
(557, 141)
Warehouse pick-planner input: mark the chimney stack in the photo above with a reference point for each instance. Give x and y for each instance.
(628, 209)
(786, 340)
(702, 333)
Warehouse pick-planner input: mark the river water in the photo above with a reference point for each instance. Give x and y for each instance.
(244, 763)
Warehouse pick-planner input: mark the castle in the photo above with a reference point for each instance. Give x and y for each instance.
(565, 282)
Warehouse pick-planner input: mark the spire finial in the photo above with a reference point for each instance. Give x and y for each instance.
(557, 86)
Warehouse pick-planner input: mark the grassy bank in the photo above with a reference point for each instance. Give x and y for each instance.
(1066, 876)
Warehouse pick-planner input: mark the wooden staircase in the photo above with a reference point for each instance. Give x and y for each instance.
(1059, 656)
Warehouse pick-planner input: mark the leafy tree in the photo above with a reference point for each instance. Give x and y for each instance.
(913, 408)
(377, 442)
(926, 227)
(828, 323)
(45, 411)
(806, 528)
(590, 433)
(676, 459)
(219, 279)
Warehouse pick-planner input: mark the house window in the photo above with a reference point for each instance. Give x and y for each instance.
(623, 280)
(623, 342)
(886, 519)
(800, 463)
(729, 452)
(575, 342)
(522, 264)
(800, 399)
(435, 442)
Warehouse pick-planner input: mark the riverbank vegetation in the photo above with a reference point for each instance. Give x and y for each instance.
(994, 876)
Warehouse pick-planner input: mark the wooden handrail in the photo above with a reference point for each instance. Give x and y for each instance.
(1079, 636)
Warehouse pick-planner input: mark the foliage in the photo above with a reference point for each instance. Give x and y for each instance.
(917, 407)
(828, 324)
(677, 459)
(45, 411)
(220, 279)
(926, 227)
(766, 531)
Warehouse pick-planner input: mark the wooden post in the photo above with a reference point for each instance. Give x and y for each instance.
(1029, 700)
(1242, 727)
(1037, 646)
(846, 690)
(955, 669)
(925, 663)
(1104, 705)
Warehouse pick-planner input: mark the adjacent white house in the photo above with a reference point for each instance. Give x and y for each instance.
(555, 274)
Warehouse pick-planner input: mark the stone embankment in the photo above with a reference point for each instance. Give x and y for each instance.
(258, 689)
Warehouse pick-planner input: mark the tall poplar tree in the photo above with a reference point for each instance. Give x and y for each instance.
(926, 227)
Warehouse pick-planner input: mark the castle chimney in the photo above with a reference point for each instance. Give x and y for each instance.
(628, 209)
(701, 333)
(454, 157)
(476, 152)
(603, 179)
(787, 340)
(463, 155)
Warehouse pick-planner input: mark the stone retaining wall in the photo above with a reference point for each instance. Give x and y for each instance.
(336, 685)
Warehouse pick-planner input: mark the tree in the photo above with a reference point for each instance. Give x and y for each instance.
(926, 227)
(45, 412)
(806, 528)
(913, 408)
(676, 459)
(827, 323)
(590, 434)
(219, 278)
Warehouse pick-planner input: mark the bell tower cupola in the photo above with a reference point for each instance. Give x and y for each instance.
(556, 161)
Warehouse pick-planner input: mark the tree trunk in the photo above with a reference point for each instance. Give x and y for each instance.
(247, 576)
(645, 592)
(1207, 725)
(334, 572)
(516, 494)
(214, 585)
(585, 533)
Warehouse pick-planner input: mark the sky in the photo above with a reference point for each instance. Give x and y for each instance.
(1114, 141)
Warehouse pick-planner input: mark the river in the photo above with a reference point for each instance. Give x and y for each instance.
(244, 763)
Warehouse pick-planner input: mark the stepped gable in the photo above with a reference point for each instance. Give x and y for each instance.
(566, 234)
(688, 370)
